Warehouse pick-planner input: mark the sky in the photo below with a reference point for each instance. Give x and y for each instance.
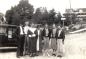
(58, 5)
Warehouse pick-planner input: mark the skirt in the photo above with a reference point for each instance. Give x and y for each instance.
(53, 44)
(59, 47)
(46, 43)
(32, 45)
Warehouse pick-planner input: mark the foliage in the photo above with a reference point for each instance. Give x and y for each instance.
(42, 16)
(24, 12)
(20, 13)
(70, 19)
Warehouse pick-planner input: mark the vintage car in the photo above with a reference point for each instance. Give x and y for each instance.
(7, 35)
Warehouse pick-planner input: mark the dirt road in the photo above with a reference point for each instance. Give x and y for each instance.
(75, 48)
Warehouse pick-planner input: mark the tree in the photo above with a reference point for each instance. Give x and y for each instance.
(52, 14)
(58, 19)
(8, 16)
(2, 19)
(20, 13)
(41, 15)
(37, 16)
(45, 16)
(70, 18)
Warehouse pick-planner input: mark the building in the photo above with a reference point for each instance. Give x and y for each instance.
(78, 14)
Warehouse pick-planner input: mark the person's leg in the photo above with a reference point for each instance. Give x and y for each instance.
(54, 46)
(44, 47)
(23, 41)
(31, 47)
(18, 52)
(25, 44)
(60, 48)
(47, 47)
(18, 49)
(0, 40)
(57, 47)
(22, 45)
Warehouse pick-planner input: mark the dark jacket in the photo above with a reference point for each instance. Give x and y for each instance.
(51, 34)
(44, 32)
(17, 32)
(29, 32)
(62, 35)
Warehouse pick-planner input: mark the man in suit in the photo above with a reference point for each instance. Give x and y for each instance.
(20, 40)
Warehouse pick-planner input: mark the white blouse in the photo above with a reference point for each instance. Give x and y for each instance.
(26, 28)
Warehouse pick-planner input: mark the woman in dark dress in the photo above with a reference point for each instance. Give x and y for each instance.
(32, 41)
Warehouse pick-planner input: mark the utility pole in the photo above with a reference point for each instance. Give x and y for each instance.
(25, 0)
(70, 11)
(70, 3)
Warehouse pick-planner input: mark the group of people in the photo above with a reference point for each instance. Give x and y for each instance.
(35, 41)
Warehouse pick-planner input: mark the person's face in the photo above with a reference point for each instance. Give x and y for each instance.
(54, 26)
(32, 25)
(20, 24)
(46, 25)
(59, 27)
(27, 23)
(38, 28)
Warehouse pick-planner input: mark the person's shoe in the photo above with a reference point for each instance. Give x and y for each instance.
(18, 56)
(24, 54)
(36, 54)
(48, 54)
(21, 55)
(32, 55)
(59, 56)
(28, 53)
(53, 54)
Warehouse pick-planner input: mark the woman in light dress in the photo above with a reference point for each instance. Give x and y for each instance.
(46, 37)
(53, 39)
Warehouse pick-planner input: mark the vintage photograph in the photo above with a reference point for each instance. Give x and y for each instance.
(42, 29)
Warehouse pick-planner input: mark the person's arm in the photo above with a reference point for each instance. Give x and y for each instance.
(42, 34)
(24, 30)
(63, 36)
(29, 33)
(17, 32)
(50, 33)
(56, 34)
